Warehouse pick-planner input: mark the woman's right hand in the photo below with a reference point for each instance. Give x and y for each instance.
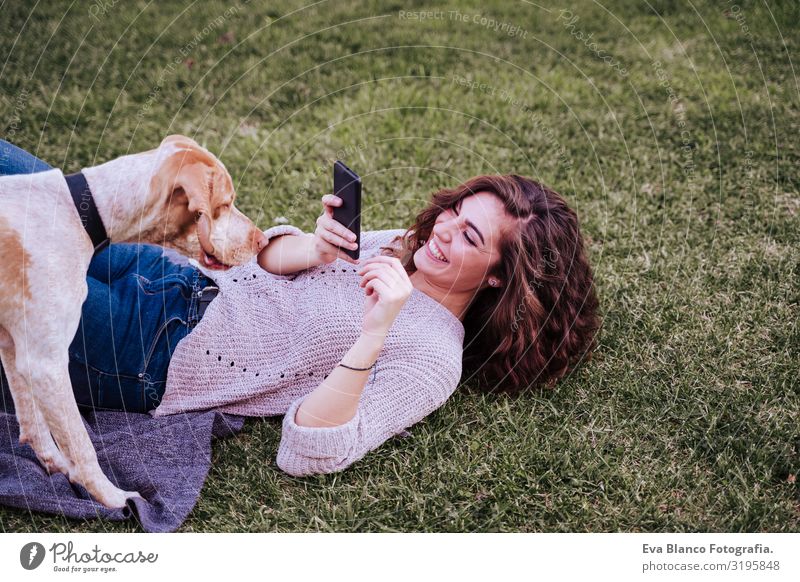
(330, 234)
(387, 288)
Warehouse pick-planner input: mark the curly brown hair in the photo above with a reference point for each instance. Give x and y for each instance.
(539, 325)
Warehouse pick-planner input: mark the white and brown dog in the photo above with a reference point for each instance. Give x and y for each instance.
(178, 195)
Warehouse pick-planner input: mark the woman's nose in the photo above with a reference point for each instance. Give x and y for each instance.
(443, 230)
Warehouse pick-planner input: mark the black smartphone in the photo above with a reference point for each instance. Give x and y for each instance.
(347, 186)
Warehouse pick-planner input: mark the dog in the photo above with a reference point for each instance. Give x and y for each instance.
(177, 195)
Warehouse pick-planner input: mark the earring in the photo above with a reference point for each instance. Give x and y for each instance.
(493, 282)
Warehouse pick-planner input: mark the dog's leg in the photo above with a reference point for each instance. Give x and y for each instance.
(50, 324)
(32, 427)
(43, 364)
(53, 395)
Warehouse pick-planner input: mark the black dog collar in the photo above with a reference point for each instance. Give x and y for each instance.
(87, 210)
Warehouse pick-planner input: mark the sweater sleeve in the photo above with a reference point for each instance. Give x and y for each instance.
(406, 388)
(280, 229)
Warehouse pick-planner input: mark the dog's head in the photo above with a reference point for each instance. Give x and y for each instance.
(196, 194)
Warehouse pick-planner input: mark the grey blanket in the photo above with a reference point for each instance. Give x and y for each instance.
(165, 459)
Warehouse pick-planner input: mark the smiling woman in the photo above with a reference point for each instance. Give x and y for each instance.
(514, 271)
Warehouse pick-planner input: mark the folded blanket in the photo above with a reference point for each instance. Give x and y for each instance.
(165, 459)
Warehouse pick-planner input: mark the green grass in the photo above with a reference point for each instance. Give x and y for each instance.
(687, 418)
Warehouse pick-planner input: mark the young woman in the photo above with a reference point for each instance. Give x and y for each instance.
(491, 277)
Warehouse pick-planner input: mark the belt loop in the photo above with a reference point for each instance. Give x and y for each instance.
(194, 303)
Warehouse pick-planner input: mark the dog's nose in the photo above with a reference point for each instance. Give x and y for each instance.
(259, 240)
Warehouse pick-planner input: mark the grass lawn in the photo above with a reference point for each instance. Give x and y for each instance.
(671, 128)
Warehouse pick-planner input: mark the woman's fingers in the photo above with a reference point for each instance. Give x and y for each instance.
(392, 262)
(378, 286)
(336, 237)
(328, 202)
(330, 223)
(371, 270)
(336, 233)
(327, 244)
(331, 238)
(334, 250)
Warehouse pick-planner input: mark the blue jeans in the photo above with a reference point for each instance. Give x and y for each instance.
(14, 160)
(142, 301)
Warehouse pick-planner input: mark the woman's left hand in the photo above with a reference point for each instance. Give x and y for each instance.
(387, 288)
(330, 236)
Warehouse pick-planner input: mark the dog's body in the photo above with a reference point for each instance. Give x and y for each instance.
(178, 195)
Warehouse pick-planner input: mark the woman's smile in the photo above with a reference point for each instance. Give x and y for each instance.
(435, 252)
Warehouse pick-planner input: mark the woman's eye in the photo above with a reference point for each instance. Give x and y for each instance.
(466, 236)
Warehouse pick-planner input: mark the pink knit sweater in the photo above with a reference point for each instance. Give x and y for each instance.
(266, 341)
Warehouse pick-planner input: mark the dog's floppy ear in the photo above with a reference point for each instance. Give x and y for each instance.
(186, 168)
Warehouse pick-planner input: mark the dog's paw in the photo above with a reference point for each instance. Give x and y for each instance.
(100, 488)
(49, 455)
(114, 498)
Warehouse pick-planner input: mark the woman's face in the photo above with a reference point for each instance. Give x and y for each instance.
(468, 236)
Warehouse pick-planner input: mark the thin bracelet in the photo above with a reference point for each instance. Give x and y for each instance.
(359, 369)
(382, 335)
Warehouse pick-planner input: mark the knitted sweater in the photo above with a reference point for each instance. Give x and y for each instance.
(266, 341)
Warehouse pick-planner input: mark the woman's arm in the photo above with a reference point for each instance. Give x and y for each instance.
(287, 254)
(336, 424)
(410, 382)
(335, 401)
